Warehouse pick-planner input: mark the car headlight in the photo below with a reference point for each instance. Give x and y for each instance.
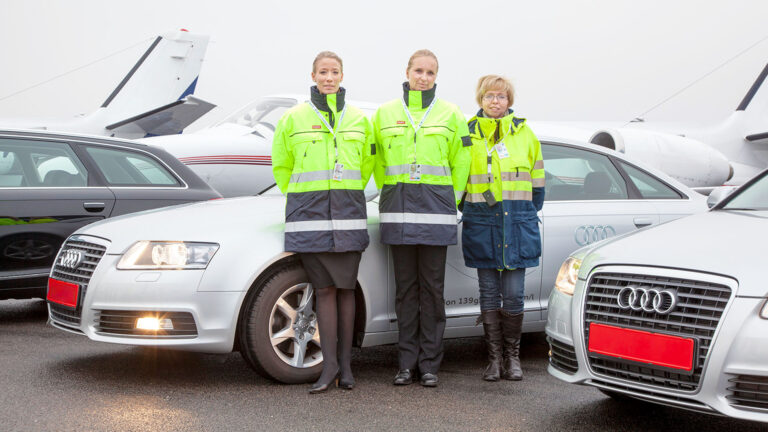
(167, 255)
(567, 276)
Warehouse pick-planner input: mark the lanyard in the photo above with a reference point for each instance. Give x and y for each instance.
(413, 124)
(330, 129)
(490, 153)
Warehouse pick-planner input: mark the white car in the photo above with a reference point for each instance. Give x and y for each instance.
(214, 277)
(675, 315)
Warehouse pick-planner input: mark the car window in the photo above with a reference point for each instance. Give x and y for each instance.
(39, 164)
(124, 167)
(575, 174)
(754, 197)
(649, 187)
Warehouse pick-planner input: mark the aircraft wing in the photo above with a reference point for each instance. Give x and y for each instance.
(166, 120)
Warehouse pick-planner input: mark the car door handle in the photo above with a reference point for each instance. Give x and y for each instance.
(642, 222)
(94, 207)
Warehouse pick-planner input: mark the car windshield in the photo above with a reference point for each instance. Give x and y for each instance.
(263, 111)
(754, 197)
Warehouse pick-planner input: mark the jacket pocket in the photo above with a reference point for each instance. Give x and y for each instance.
(479, 241)
(393, 142)
(529, 238)
(438, 137)
(305, 144)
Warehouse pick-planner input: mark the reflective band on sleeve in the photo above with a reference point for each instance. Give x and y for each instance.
(538, 182)
(326, 225)
(539, 164)
(425, 170)
(419, 218)
(324, 175)
(516, 176)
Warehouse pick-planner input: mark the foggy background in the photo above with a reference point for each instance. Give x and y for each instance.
(569, 60)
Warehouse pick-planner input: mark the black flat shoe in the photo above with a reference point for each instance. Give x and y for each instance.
(429, 380)
(320, 387)
(403, 377)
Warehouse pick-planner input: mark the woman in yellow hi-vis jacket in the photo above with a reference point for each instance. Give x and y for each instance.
(322, 159)
(422, 162)
(500, 235)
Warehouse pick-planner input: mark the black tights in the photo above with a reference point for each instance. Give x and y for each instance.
(336, 322)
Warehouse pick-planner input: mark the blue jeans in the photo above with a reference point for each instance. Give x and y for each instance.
(506, 285)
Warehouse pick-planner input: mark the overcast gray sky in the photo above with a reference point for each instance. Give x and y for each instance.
(569, 60)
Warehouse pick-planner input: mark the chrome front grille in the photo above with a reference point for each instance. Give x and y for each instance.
(748, 391)
(92, 254)
(700, 306)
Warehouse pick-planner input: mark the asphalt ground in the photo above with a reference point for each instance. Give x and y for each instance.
(54, 381)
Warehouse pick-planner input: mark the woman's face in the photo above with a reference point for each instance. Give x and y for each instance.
(422, 73)
(495, 103)
(327, 75)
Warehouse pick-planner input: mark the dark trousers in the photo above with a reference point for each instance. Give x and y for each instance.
(419, 304)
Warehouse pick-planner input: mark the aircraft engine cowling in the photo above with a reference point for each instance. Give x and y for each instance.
(689, 161)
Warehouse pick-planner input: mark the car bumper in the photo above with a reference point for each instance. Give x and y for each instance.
(734, 375)
(209, 317)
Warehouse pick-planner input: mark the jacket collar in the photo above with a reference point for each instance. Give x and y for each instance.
(415, 99)
(325, 102)
(479, 122)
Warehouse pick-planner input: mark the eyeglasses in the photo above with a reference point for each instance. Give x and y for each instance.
(500, 97)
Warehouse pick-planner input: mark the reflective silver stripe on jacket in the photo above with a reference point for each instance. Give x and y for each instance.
(505, 176)
(539, 164)
(419, 218)
(326, 225)
(505, 195)
(425, 170)
(539, 182)
(324, 175)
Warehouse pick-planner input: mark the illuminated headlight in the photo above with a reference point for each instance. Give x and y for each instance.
(154, 324)
(764, 310)
(167, 255)
(567, 276)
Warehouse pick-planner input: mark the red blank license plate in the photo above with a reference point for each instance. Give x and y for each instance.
(651, 348)
(63, 293)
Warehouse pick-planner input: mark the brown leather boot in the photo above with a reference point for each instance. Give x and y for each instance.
(512, 327)
(493, 340)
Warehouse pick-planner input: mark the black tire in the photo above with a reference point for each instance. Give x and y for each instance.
(262, 320)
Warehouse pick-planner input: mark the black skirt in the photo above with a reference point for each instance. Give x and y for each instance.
(337, 269)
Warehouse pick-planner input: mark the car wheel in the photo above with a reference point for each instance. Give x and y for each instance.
(278, 331)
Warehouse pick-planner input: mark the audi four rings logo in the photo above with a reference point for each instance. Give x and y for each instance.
(587, 234)
(647, 299)
(71, 259)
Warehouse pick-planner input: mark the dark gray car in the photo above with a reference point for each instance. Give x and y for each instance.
(51, 184)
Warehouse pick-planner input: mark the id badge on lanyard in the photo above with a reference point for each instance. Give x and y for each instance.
(415, 172)
(338, 171)
(338, 168)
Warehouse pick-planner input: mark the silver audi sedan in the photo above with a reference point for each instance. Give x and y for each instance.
(675, 315)
(213, 276)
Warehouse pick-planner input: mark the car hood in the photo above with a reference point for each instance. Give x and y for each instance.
(729, 243)
(218, 221)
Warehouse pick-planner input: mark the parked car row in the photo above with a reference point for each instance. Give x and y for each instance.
(213, 276)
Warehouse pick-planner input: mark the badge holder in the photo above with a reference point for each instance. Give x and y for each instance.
(489, 198)
(415, 172)
(338, 172)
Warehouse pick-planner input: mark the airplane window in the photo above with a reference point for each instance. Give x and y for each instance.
(265, 112)
(121, 167)
(573, 174)
(39, 164)
(649, 187)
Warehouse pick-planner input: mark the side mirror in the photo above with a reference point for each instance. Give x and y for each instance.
(718, 194)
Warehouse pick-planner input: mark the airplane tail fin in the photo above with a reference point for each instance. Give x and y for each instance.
(158, 86)
(752, 112)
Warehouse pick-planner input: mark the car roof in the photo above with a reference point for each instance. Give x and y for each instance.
(72, 136)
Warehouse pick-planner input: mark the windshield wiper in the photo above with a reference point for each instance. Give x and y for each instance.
(739, 208)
